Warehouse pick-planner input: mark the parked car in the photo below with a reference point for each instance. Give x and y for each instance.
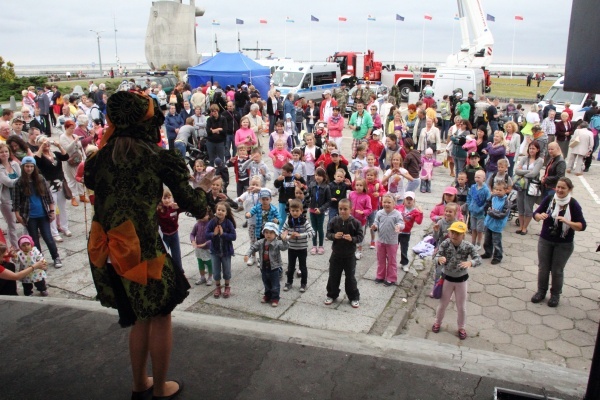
(382, 92)
(168, 82)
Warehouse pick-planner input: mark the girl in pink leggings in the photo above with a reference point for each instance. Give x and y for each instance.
(453, 254)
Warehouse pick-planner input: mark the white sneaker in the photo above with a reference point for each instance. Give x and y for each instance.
(355, 304)
(67, 233)
(328, 301)
(201, 280)
(57, 238)
(477, 247)
(405, 268)
(358, 255)
(209, 282)
(250, 260)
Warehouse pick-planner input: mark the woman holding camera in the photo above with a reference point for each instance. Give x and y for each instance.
(562, 216)
(51, 167)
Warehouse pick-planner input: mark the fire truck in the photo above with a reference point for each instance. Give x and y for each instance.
(356, 65)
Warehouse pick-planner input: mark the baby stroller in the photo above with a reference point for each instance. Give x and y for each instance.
(512, 197)
(196, 149)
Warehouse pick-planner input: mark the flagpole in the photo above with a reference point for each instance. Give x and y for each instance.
(285, 41)
(367, 38)
(394, 51)
(512, 61)
(310, 41)
(423, 45)
(337, 46)
(212, 43)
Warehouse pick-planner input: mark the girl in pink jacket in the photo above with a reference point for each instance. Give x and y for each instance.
(449, 196)
(335, 124)
(361, 207)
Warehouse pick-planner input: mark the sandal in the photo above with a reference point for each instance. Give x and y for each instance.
(462, 334)
(435, 328)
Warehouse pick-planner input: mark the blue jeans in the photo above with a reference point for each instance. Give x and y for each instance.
(180, 146)
(230, 149)
(492, 244)
(494, 126)
(272, 119)
(333, 212)
(413, 185)
(172, 244)
(221, 264)
(43, 225)
(445, 128)
(459, 165)
(215, 150)
(270, 278)
(317, 221)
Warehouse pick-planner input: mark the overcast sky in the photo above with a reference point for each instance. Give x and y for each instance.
(39, 32)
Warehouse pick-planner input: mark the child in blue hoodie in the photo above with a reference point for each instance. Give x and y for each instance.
(477, 199)
(495, 220)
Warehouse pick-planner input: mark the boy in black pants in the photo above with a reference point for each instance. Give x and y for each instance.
(345, 232)
(286, 184)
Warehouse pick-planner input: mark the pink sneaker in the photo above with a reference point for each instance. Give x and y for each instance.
(313, 251)
(321, 250)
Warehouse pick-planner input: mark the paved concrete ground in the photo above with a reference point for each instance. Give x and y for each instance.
(56, 349)
(500, 317)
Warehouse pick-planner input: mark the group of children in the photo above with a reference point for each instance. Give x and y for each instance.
(314, 183)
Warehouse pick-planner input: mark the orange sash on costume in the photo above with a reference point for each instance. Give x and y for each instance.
(123, 246)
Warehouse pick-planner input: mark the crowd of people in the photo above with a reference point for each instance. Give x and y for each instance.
(498, 157)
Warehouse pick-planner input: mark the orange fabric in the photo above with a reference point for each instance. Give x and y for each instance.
(123, 246)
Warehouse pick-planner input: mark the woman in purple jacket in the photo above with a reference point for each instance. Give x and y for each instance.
(495, 151)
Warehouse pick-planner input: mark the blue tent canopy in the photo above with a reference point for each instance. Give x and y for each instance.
(231, 69)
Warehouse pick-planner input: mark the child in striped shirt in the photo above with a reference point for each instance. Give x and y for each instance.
(299, 231)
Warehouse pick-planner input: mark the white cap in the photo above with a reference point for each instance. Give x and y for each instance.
(409, 194)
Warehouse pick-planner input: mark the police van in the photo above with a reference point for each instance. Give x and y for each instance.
(308, 80)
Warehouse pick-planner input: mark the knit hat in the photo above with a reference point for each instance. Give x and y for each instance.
(25, 238)
(271, 226)
(429, 152)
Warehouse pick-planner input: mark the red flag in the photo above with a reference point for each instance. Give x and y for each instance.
(263, 21)
(518, 18)
(342, 19)
(429, 17)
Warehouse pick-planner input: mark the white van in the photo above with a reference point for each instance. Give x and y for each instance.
(308, 80)
(452, 81)
(560, 97)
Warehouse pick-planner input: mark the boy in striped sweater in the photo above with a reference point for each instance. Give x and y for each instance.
(299, 231)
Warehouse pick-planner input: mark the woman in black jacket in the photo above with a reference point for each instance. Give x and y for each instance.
(215, 135)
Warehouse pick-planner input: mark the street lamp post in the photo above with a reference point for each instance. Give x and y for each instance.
(99, 55)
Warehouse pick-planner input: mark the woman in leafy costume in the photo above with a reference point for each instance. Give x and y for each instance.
(130, 268)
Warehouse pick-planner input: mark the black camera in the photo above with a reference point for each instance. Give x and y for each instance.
(554, 231)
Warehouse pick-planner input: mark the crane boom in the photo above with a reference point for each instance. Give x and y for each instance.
(477, 40)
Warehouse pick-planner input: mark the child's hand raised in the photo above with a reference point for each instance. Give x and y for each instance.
(442, 260)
